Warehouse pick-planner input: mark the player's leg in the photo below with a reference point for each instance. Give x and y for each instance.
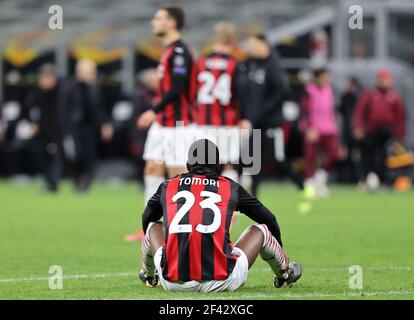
(154, 155)
(331, 149)
(310, 154)
(154, 175)
(177, 144)
(153, 240)
(330, 146)
(154, 170)
(256, 240)
(251, 242)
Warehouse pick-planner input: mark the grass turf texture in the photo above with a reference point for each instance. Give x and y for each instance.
(83, 234)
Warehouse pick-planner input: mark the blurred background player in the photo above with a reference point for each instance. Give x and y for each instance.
(264, 89)
(321, 132)
(47, 117)
(87, 120)
(167, 144)
(350, 171)
(218, 113)
(192, 250)
(378, 118)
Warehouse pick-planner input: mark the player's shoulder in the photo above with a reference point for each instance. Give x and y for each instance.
(181, 48)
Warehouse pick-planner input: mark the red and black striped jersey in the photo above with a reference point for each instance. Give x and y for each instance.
(176, 89)
(197, 208)
(216, 102)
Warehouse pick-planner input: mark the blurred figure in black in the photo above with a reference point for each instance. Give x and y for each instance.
(350, 145)
(2, 138)
(47, 118)
(86, 121)
(265, 89)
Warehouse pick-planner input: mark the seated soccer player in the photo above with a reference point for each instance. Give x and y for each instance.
(191, 249)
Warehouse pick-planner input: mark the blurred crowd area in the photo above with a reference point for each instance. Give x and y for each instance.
(81, 123)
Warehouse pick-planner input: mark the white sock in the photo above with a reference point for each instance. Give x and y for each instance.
(146, 255)
(321, 176)
(273, 253)
(151, 184)
(231, 173)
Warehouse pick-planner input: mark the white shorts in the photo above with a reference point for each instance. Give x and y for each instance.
(227, 139)
(235, 280)
(169, 145)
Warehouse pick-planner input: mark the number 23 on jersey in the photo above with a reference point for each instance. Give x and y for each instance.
(210, 202)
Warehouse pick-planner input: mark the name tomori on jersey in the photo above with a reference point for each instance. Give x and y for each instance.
(199, 181)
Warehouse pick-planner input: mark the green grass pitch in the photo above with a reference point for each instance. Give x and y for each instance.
(83, 235)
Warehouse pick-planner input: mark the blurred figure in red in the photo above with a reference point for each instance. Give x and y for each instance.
(378, 118)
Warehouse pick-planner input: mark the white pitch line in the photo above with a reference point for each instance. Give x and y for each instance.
(72, 277)
(293, 296)
(326, 295)
(340, 269)
(128, 274)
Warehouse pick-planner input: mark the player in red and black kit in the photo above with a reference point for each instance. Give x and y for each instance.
(170, 119)
(192, 250)
(166, 147)
(219, 116)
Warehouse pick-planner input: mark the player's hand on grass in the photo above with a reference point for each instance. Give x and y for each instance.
(146, 119)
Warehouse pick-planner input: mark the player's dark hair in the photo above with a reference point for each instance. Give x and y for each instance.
(354, 81)
(47, 69)
(318, 72)
(259, 36)
(203, 154)
(176, 13)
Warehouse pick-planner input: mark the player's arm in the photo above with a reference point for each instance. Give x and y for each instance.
(153, 210)
(180, 70)
(256, 211)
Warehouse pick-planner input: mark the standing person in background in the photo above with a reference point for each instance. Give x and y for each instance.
(166, 145)
(264, 89)
(219, 117)
(378, 118)
(321, 132)
(346, 110)
(87, 120)
(170, 117)
(47, 117)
